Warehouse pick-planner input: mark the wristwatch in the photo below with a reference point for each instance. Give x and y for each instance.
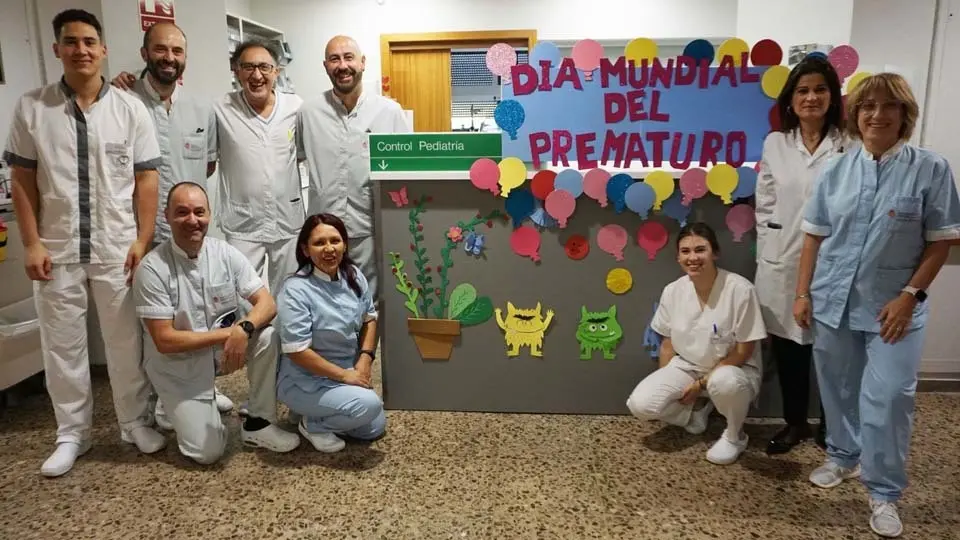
(248, 327)
(373, 355)
(919, 294)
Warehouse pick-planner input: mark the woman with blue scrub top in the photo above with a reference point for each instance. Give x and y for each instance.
(878, 228)
(710, 322)
(328, 336)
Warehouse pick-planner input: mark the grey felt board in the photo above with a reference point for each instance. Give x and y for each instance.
(479, 376)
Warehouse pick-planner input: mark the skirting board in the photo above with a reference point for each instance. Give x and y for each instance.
(940, 366)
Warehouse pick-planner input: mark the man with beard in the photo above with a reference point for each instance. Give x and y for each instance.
(333, 137)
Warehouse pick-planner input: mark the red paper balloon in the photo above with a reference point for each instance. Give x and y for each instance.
(774, 118)
(766, 52)
(542, 184)
(577, 247)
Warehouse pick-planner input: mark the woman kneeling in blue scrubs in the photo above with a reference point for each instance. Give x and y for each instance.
(878, 228)
(328, 336)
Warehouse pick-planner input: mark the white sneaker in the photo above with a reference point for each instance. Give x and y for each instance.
(725, 451)
(884, 519)
(699, 418)
(146, 439)
(272, 438)
(830, 474)
(63, 458)
(160, 415)
(323, 442)
(224, 404)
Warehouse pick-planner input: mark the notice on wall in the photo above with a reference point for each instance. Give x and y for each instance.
(155, 11)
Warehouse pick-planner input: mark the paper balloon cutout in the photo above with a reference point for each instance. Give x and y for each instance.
(740, 219)
(598, 331)
(651, 237)
(577, 247)
(746, 183)
(774, 117)
(816, 54)
(524, 328)
(595, 185)
(586, 55)
(612, 239)
(675, 209)
(510, 116)
(513, 173)
(520, 204)
(845, 60)
(699, 49)
(485, 174)
(640, 49)
(854, 82)
(560, 204)
(663, 185)
(693, 185)
(617, 187)
(525, 241)
(619, 281)
(500, 58)
(734, 48)
(545, 51)
(570, 180)
(766, 52)
(540, 216)
(640, 198)
(542, 184)
(773, 80)
(721, 181)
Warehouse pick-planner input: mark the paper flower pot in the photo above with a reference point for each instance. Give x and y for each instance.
(434, 337)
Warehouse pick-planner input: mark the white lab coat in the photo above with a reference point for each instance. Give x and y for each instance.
(787, 175)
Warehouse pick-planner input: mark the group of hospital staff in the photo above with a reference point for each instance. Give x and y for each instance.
(854, 223)
(95, 165)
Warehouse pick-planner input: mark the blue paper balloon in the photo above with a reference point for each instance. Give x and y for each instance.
(699, 49)
(640, 198)
(544, 50)
(674, 208)
(519, 205)
(541, 218)
(510, 115)
(617, 189)
(569, 180)
(817, 54)
(747, 184)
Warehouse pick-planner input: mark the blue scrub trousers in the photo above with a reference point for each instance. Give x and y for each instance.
(343, 409)
(868, 390)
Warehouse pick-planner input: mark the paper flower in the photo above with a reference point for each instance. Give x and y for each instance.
(455, 234)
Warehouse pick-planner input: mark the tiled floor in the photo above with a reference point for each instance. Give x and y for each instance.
(461, 476)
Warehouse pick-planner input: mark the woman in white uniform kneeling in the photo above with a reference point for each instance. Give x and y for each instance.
(328, 338)
(710, 322)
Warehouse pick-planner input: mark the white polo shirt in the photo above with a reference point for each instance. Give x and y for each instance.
(335, 145)
(259, 190)
(187, 135)
(85, 163)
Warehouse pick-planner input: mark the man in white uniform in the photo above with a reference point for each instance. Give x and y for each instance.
(332, 137)
(259, 191)
(85, 161)
(189, 293)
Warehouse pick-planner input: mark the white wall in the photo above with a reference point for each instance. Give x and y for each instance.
(795, 23)
(19, 64)
(46, 11)
(240, 8)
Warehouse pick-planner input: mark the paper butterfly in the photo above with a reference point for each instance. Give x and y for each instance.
(399, 197)
(473, 244)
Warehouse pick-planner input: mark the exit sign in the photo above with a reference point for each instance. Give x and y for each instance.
(432, 151)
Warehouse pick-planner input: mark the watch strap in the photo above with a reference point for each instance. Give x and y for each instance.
(373, 354)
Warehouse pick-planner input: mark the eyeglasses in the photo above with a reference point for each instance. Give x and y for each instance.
(887, 107)
(264, 68)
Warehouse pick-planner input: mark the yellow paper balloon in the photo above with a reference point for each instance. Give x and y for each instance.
(854, 81)
(722, 180)
(662, 184)
(513, 173)
(641, 49)
(619, 280)
(734, 47)
(773, 80)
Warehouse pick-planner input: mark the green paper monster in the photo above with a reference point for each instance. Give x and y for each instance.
(598, 330)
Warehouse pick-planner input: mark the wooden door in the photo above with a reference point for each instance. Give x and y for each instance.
(420, 81)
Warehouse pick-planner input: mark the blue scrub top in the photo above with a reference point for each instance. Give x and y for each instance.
(325, 315)
(877, 218)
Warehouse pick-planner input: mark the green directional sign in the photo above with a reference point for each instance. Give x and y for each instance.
(432, 151)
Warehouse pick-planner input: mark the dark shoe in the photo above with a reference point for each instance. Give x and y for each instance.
(821, 436)
(787, 438)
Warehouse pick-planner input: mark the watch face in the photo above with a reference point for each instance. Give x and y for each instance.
(921, 296)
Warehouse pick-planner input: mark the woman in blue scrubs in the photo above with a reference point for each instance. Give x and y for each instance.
(328, 337)
(878, 228)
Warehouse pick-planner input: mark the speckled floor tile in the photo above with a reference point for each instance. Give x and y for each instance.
(461, 476)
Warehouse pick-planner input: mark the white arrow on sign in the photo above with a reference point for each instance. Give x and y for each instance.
(382, 165)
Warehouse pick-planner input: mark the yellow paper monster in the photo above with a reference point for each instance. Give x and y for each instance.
(524, 327)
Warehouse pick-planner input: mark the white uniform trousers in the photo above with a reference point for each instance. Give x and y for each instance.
(731, 389)
(273, 261)
(62, 307)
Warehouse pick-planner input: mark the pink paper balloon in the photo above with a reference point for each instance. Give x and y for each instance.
(586, 56)
(485, 174)
(595, 185)
(740, 219)
(845, 60)
(652, 236)
(500, 58)
(612, 239)
(693, 185)
(525, 241)
(560, 204)
(756, 167)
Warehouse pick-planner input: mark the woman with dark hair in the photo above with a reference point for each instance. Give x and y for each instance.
(710, 323)
(328, 337)
(811, 113)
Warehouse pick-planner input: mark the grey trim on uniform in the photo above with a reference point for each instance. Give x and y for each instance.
(151, 165)
(19, 161)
